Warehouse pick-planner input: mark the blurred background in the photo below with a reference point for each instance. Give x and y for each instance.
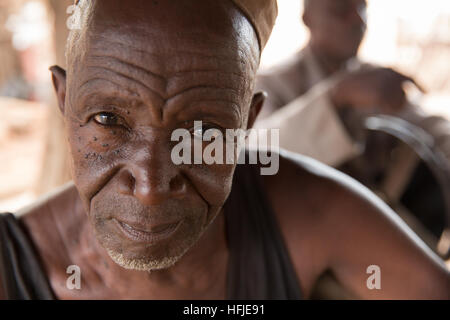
(32, 38)
(412, 36)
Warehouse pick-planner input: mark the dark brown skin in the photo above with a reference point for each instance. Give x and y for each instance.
(344, 234)
(337, 29)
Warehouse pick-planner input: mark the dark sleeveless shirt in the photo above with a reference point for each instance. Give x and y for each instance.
(259, 266)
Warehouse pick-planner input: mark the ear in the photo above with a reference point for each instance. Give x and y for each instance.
(59, 83)
(255, 107)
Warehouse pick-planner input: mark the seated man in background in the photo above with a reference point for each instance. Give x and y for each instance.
(138, 226)
(322, 96)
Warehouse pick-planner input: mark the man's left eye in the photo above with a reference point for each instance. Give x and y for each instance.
(206, 131)
(106, 119)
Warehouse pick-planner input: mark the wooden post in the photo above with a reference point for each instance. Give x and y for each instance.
(55, 170)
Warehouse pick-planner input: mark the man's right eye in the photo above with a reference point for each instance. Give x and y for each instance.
(107, 119)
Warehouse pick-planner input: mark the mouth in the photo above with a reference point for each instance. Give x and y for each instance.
(149, 235)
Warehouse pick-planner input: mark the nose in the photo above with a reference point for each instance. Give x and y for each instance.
(152, 179)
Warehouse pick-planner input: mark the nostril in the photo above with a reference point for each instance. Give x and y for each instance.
(177, 184)
(127, 183)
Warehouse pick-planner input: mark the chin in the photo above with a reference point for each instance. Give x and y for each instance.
(143, 264)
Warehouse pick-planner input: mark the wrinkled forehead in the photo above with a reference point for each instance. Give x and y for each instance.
(161, 49)
(167, 34)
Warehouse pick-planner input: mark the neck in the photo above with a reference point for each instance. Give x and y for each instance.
(329, 63)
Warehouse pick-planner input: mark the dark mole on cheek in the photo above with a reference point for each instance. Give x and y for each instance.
(87, 155)
(95, 138)
(105, 145)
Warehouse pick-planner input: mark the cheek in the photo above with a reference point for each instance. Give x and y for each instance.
(94, 152)
(212, 182)
(92, 142)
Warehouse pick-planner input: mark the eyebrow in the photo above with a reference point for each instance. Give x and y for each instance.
(101, 96)
(225, 108)
(214, 95)
(122, 68)
(127, 81)
(102, 90)
(117, 87)
(121, 80)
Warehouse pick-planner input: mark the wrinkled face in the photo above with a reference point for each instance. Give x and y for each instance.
(337, 26)
(144, 74)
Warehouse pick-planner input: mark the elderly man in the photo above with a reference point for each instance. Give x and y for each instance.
(138, 226)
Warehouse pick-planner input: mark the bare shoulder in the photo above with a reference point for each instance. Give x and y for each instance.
(335, 223)
(50, 223)
(41, 218)
(42, 223)
(303, 196)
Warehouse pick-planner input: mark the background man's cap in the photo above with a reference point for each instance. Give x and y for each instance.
(262, 14)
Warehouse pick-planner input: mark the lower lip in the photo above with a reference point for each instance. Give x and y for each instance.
(145, 236)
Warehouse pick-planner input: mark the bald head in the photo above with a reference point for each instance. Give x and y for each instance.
(160, 37)
(201, 19)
